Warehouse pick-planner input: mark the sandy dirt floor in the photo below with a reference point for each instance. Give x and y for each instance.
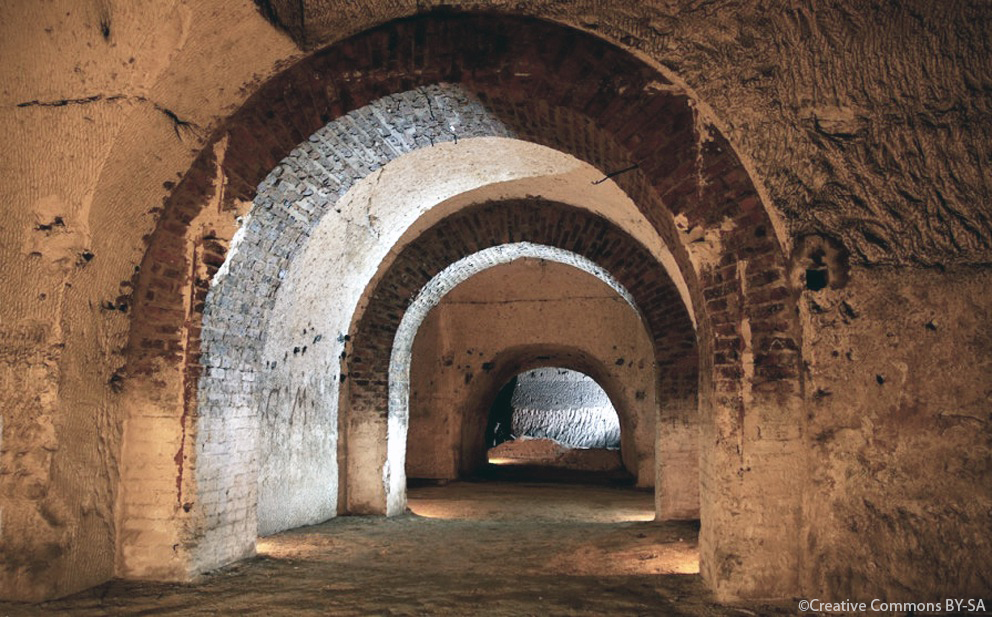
(485, 548)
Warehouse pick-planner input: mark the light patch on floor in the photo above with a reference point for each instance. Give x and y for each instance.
(499, 501)
(505, 549)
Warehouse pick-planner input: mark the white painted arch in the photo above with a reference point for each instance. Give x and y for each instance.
(394, 470)
(324, 291)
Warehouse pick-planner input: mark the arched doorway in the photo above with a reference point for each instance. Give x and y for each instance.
(526, 310)
(693, 191)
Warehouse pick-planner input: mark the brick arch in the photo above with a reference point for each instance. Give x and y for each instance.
(378, 360)
(576, 93)
(429, 296)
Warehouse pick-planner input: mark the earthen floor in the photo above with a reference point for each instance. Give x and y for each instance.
(487, 548)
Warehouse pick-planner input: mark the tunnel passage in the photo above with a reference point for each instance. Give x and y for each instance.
(375, 337)
(301, 350)
(559, 404)
(599, 103)
(552, 418)
(534, 296)
(888, 158)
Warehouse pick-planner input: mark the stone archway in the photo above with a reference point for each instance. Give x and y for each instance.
(632, 124)
(876, 147)
(524, 302)
(371, 410)
(311, 334)
(483, 368)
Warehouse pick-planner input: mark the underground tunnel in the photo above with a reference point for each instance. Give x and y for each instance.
(539, 305)
(552, 416)
(283, 281)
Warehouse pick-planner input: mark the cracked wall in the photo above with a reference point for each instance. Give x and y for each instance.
(75, 217)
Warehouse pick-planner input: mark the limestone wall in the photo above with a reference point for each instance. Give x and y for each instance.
(566, 406)
(96, 130)
(899, 431)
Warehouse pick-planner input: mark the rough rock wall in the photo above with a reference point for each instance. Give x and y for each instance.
(525, 303)
(869, 121)
(92, 130)
(900, 435)
(565, 406)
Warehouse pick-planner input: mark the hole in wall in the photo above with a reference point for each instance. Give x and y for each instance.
(816, 278)
(819, 262)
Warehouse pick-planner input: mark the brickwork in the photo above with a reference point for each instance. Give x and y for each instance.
(485, 365)
(376, 344)
(877, 144)
(385, 331)
(552, 86)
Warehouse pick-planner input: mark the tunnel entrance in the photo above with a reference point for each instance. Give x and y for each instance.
(570, 344)
(554, 424)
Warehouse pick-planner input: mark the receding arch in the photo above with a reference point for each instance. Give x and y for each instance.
(429, 296)
(521, 358)
(307, 332)
(368, 402)
(527, 301)
(623, 115)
